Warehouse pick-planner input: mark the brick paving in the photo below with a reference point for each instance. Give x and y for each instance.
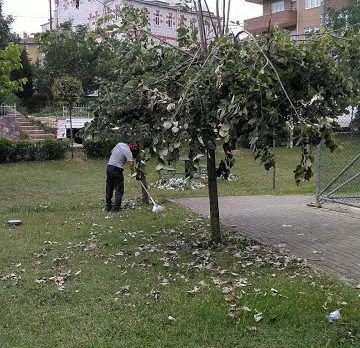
(328, 239)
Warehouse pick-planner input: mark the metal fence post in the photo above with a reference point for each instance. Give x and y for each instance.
(318, 169)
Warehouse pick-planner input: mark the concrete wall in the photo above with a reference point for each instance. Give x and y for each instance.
(9, 128)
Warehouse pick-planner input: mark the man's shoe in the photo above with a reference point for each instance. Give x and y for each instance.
(107, 209)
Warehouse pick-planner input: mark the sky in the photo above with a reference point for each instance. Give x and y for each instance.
(30, 14)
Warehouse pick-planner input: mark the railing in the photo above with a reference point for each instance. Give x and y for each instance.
(7, 109)
(77, 111)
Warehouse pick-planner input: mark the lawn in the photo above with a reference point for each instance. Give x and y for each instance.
(74, 276)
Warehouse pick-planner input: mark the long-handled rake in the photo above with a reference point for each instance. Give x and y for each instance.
(157, 208)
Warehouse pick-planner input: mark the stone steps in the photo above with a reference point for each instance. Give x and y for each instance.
(34, 132)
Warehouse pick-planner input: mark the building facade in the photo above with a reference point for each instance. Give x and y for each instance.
(32, 49)
(165, 16)
(300, 17)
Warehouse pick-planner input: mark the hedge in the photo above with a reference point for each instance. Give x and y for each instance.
(98, 148)
(16, 151)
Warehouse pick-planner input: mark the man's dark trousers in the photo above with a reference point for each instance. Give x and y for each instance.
(114, 181)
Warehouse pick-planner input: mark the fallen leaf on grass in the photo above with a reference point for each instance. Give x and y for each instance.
(234, 315)
(193, 291)
(251, 328)
(90, 247)
(231, 297)
(41, 281)
(246, 309)
(227, 290)
(123, 291)
(258, 317)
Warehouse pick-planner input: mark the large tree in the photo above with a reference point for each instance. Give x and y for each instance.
(69, 51)
(345, 17)
(68, 90)
(10, 60)
(234, 86)
(6, 35)
(25, 71)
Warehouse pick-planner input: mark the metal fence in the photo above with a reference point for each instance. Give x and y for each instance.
(77, 111)
(7, 109)
(338, 177)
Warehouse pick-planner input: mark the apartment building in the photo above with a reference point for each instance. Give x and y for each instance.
(165, 16)
(32, 49)
(300, 17)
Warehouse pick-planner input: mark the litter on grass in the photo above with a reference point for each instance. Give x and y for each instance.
(335, 315)
(178, 184)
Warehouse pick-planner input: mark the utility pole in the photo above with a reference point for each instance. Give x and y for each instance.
(51, 18)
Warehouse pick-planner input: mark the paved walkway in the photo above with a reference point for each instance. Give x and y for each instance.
(326, 238)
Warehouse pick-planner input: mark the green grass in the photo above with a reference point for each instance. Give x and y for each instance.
(65, 231)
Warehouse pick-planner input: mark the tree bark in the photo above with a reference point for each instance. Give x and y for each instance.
(211, 19)
(228, 16)
(201, 26)
(145, 196)
(224, 17)
(213, 197)
(71, 133)
(218, 17)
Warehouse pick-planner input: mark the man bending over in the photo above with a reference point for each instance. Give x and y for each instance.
(120, 154)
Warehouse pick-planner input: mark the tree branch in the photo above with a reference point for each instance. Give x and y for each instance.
(272, 66)
(218, 15)
(224, 10)
(211, 19)
(228, 16)
(199, 12)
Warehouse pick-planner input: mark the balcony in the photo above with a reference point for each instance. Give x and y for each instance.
(283, 19)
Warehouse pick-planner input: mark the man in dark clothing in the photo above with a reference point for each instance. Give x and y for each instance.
(120, 154)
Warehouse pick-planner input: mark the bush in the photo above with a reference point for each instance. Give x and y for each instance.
(23, 151)
(52, 150)
(98, 148)
(11, 151)
(6, 149)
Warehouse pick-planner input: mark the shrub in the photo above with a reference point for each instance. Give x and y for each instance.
(98, 148)
(23, 151)
(51, 150)
(26, 151)
(6, 149)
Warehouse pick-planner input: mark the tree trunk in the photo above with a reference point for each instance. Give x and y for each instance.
(201, 26)
(71, 133)
(213, 197)
(218, 17)
(228, 17)
(145, 196)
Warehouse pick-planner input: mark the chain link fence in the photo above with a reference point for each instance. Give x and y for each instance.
(339, 171)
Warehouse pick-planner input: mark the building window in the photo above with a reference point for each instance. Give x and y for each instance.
(117, 12)
(312, 3)
(157, 18)
(277, 6)
(171, 20)
(312, 29)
